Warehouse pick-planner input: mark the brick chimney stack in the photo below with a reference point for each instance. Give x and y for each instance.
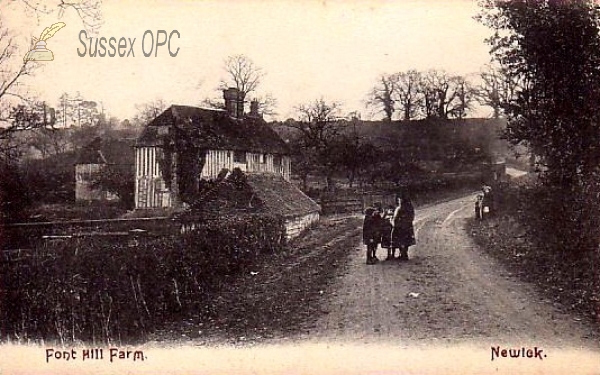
(254, 108)
(234, 102)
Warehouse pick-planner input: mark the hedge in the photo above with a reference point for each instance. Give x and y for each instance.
(98, 289)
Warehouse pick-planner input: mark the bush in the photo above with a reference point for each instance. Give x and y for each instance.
(95, 289)
(530, 235)
(14, 197)
(52, 179)
(563, 222)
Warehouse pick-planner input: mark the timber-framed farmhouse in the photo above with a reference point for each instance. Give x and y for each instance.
(185, 144)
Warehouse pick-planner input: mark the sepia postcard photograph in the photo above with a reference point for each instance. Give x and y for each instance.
(297, 187)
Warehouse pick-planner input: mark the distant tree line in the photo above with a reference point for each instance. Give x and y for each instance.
(413, 94)
(325, 144)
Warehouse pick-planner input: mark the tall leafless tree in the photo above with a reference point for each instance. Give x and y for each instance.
(495, 89)
(428, 90)
(148, 111)
(445, 95)
(464, 97)
(382, 96)
(242, 74)
(408, 94)
(319, 130)
(318, 122)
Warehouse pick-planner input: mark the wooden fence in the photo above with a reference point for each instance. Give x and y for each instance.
(353, 202)
(24, 235)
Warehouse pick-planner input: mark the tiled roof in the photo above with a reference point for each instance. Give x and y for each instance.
(280, 196)
(252, 192)
(211, 129)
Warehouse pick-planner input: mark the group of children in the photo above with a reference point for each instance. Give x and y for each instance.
(392, 229)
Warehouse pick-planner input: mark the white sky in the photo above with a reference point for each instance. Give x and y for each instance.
(308, 49)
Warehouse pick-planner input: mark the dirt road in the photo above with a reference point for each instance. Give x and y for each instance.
(443, 312)
(449, 292)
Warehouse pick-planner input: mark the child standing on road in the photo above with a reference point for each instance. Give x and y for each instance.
(478, 207)
(386, 230)
(371, 233)
(403, 233)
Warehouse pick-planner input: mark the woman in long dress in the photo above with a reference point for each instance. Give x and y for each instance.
(403, 233)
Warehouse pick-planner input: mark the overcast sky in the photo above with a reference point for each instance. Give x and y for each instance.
(308, 49)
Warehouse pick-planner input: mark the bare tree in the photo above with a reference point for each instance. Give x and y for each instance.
(318, 122)
(383, 93)
(9, 79)
(148, 111)
(17, 112)
(427, 88)
(464, 96)
(445, 95)
(267, 104)
(89, 11)
(408, 93)
(319, 130)
(49, 141)
(242, 74)
(495, 90)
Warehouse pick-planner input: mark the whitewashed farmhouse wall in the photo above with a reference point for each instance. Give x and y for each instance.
(151, 190)
(216, 160)
(150, 187)
(295, 226)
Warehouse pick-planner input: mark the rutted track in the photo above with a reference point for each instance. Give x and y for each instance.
(449, 292)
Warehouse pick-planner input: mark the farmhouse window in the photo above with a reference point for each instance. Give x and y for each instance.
(239, 157)
(277, 161)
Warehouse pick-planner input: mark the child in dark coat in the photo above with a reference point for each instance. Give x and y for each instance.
(372, 233)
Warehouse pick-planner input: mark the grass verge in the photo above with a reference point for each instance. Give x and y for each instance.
(571, 281)
(278, 295)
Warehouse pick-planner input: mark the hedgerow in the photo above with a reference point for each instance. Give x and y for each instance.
(105, 290)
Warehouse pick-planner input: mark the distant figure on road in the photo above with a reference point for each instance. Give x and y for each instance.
(478, 203)
(372, 233)
(487, 202)
(403, 233)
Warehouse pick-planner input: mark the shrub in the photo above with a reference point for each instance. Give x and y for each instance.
(52, 180)
(563, 221)
(14, 197)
